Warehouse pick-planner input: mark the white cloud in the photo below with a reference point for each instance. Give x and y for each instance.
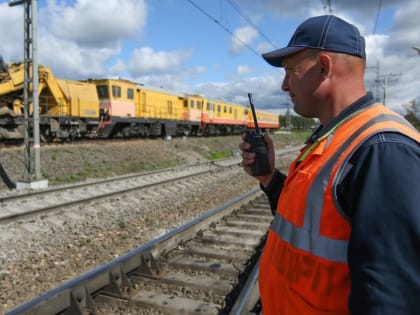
(119, 67)
(11, 32)
(71, 61)
(242, 37)
(96, 23)
(146, 61)
(76, 40)
(265, 47)
(243, 69)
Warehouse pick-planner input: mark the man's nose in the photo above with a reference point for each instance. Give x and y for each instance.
(285, 84)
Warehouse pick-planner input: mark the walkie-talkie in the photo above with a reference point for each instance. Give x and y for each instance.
(258, 146)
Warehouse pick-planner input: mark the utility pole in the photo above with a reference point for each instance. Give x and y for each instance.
(383, 79)
(32, 159)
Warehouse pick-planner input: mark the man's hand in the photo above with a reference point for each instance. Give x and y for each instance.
(248, 158)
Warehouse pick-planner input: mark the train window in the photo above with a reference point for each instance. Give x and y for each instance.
(218, 108)
(130, 94)
(224, 109)
(185, 104)
(102, 91)
(199, 104)
(230, 110)
(208, 106)
(116, 91)
(192, 104)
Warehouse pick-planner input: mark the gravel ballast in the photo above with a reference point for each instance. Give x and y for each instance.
(41, 253)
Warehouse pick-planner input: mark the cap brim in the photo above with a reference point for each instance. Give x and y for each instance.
(275, 58)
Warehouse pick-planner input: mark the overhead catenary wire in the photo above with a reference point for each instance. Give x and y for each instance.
(224, 27)
(377, 16)
(235, 6)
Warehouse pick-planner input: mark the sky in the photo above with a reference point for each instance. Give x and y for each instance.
(212, 47)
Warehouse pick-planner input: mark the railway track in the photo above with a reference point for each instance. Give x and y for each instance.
(207, 266)
(20, 205)
(16, 205)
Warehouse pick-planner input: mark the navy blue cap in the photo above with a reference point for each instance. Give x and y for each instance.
(326, 32)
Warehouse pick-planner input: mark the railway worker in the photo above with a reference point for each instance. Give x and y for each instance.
(345, 238)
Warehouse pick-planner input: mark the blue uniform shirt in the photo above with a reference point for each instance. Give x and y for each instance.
(380, 194)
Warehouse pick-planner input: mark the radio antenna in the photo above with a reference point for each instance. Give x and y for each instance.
(251, 103)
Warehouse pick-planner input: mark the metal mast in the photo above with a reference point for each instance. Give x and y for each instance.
(30, 91)
(384, 79)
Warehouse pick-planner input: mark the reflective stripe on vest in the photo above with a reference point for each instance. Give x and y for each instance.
(308, 236)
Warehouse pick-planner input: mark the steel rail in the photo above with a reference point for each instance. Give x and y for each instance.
(78, 294)
(18, 195)
(21, 213)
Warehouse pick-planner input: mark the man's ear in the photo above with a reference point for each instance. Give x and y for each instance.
(325, 64)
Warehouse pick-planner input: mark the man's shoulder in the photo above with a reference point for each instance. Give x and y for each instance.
(387, 145)
(391, 137)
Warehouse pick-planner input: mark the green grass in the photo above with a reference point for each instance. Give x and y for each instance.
(122, 224)
(216, 155)
(301, 135)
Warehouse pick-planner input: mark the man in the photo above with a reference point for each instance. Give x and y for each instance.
(345, 238)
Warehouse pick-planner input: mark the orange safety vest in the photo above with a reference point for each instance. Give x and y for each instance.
(303, 269)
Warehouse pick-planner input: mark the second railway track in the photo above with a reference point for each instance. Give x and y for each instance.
(19, 205)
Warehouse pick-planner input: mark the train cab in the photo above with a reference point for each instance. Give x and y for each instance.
(116, 97)
(193, 106)
(117, 103)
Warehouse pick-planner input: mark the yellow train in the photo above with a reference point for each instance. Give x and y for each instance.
(129, 109)
(109, 108)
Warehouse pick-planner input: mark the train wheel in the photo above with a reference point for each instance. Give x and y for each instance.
(46, 136)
